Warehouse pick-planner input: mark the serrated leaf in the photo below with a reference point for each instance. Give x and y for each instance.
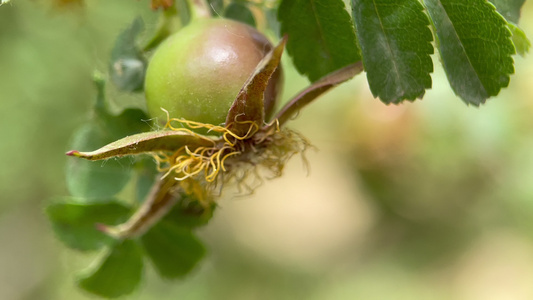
(249, 103)
(118, 274)
(127, 66)
(509, 9)
(520, 40)
(94, 180)
(173, 250)
(240, 12)
(146, 142)
(75, 224)
(321, 35)
(395, 39)
(315, 90)
(475, 47)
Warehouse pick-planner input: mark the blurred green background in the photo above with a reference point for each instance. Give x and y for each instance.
(426, 200)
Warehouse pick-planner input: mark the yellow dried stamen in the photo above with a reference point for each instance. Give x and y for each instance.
(186, 163)
(269, 149)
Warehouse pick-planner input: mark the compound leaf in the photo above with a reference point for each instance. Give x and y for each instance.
(118, 274)
(75, 223)
(248, 106)
(321, 35)
(395, 39)
(475, 47)
(173, 250)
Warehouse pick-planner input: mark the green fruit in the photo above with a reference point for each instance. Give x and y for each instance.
(197, 72)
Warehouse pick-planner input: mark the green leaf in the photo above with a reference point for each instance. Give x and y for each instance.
(173, 250)
(87, 179)
(129, 121)
(146, 142)
(475, 47)
(520, 40)
(127, 66)
(184, 11)
(4, 2)
(395, 39)
(315, 90)
(509, 9)
(240, 12)
(170, 21)
(102, 180)
(146, 175)
(75, 224)
(118, 274)
(321, 35)
(190, 213)
(249, 103)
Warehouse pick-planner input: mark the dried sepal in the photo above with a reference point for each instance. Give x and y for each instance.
(147, 142)
(248, 107)
(314, 91)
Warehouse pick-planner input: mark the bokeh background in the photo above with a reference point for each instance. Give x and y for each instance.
(426, 200)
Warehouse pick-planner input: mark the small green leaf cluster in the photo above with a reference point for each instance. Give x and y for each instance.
(170, 245)
(475, 38)
(95, 189)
